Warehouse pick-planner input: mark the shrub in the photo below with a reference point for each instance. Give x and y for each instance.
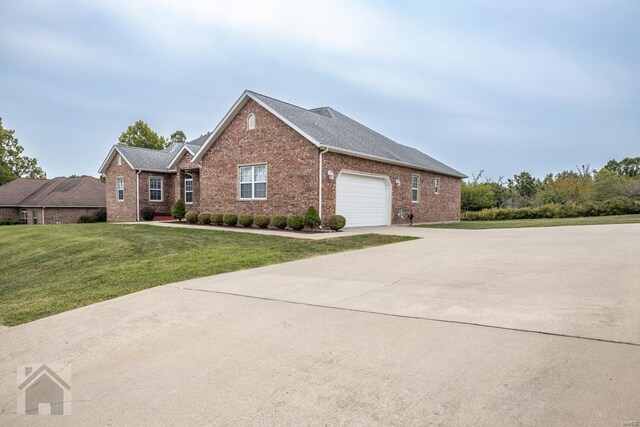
(147, 213)
(295, 222)
(85, 219)
(204, 218)
(217, 219)
(10, 221)
(246, 220)
(191, 217)
(280, 221)
(230, 219)
(311, 218)
(100, 216)
(336, 222)
(178, 211)
(262, 221)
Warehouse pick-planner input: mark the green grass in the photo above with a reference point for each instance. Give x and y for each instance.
(541, 222)
(50, 269)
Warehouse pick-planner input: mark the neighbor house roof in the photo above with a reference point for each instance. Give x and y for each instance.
(328, 128)
(13, 192)
(57, 192)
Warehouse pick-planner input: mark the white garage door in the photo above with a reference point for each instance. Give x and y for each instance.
(363, 200)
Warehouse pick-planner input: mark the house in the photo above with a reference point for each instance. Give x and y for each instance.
(270, 157)
(51, 201)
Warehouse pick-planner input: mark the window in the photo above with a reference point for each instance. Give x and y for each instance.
(119, 160)
(436, 185)
(188, 188)
(25, 216)
(120, 188)
(35, 216)
(253, 182)
(251, 121)
(155, 189)
(414, 188)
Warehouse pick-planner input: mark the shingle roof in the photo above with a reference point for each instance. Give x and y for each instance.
(331, 128)
(57, 192)
(12, 193)
(158, 160)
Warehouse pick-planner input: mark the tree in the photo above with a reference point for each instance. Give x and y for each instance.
(476, 196)
(524, 185)
(311, 218)
(178, 137)
(629, 166)
(178, 211)
(13, 164)
(607, 184)
(141, 135)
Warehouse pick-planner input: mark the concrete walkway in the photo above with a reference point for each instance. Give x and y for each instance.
(492, 327)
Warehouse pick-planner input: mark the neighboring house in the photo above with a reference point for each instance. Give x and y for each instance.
(270, 157)
(51, 201)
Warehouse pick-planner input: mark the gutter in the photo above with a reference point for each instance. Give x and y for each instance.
(320, 176)
(138, 195)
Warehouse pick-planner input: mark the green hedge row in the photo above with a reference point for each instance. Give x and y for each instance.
(294, 222)
(615, 206)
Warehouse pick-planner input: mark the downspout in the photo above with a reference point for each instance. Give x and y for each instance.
(138, 195)
(320, 174)
(43, 215)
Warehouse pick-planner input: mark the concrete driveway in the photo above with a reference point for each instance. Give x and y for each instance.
(491, 327)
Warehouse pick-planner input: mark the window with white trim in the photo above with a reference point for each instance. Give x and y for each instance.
(119, 160)
(120, 188)
(251, 121)
(253, 182)
(415, 179)
(35, 216)
(155, 189)
(436, 185)
(188, 188)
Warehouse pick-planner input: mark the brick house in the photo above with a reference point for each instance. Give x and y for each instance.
(51, 201)
(270, 157)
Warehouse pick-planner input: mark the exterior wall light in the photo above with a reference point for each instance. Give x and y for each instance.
(330, 174)
(398, 182)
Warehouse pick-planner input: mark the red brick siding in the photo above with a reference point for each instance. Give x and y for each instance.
(292, 166)
(126, 209)
(186, 167)
(64, 215)
(430, 207)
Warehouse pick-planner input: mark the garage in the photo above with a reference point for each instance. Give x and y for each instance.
(364, 200)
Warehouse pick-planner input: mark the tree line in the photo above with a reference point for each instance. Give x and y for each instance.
(617, 178)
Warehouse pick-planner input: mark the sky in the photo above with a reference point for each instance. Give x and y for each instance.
(495, 86)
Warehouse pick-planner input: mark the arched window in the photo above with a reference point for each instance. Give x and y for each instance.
(251, 121)
(188, 188)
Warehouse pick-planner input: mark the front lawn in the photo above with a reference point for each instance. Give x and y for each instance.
(45, 270)
(540, 222)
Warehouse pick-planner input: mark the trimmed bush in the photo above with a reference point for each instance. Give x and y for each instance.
(246, 220)
(262, 221)
(217, 219)
(336, 222)
(191, 217)
(204, 218)
(280, 221)
(147, 213)
(85, 219)
(230, 219)
(295, 222)
(311, 218)
(178, 211)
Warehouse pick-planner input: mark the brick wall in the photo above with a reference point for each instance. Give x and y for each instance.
(126, 210)
(9, 213)
(430, 207)
(292, 166)
(63, 215)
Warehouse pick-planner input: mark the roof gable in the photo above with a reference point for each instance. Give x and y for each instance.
(328, 128)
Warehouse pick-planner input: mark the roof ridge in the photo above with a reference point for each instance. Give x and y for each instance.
(139, 148)
(57, 180)
(279, 100)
